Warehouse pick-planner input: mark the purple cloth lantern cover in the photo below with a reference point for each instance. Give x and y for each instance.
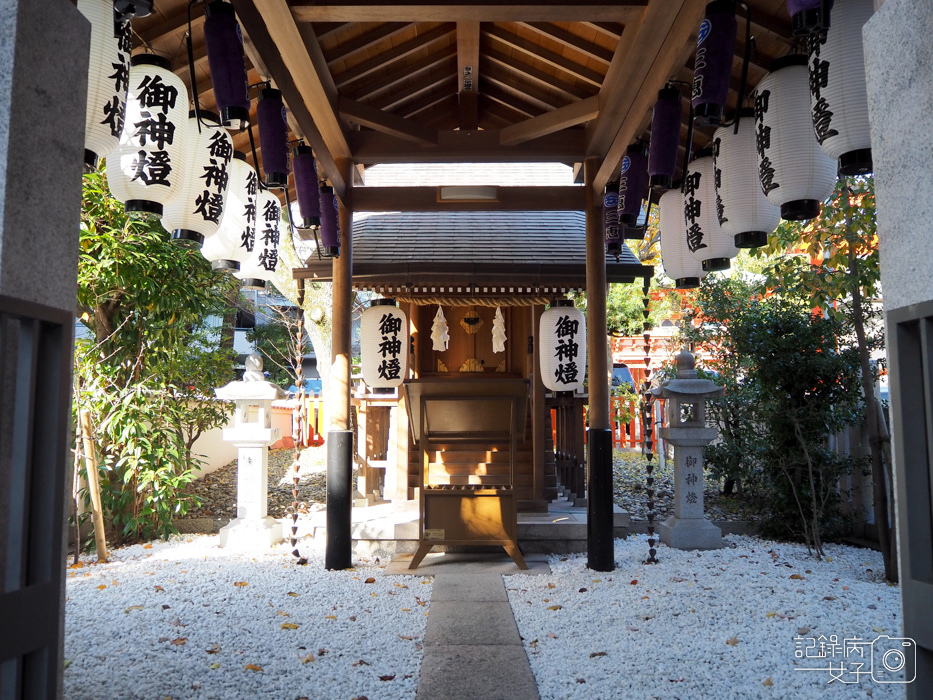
(809, 16)
(713, 65)
(273, 138)
(306, 187)
(665, 138)
(224, 43)
(330, 226)
(611, 212)
(632, 184)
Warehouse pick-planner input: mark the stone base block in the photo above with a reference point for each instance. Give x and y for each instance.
(251, 534)
(690, 533)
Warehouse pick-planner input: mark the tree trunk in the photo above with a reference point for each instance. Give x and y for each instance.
(879, 484)
(93, 484)
(228, 326)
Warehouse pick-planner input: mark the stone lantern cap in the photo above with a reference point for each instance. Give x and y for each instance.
(687, 387)
(253, 386)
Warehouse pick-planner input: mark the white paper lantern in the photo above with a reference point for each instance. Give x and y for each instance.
(706, 240)
(196, 211)
(743, 210)
(562, 347)
(107, 80)
(384, 345)
(149, 164)
(794, 172)
(679, 264)
(236, 238)
(263, 261)
(838, 92)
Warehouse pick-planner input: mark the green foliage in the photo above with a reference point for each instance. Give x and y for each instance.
(147, 379)
(790, 384)
(282, 342)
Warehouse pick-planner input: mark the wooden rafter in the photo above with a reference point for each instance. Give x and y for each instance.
(468, 73)
(571, 115)
(571, 40)
(530, 92)
(536, 52)
(427, 101)
(364, 41)
(568, 91)
(503, 112)
(443, 74)
(519, 107)
(373, 86)
(385, 122)
(612, 29)
(486, 11)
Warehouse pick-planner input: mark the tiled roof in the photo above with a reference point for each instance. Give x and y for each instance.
(474, 237)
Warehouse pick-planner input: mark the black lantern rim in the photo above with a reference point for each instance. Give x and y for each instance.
(311, 222)
(270, 93)
(716, 264)
(143, 208)
(219, 7)
(628, 219)
(276, 181)
(703, 153)
(187, 236)
(687, 282)
(810, 21)
(205, 115)
(331, 251)
(708, 113)
(302, 150)
(800, 210)
(91, 161)
(633, 233)
(235, 117)
(151, 59)
(751, 239)
(793, 59)
(562, 302)
(239, 155)
(252, 283)
(388, 301)
(225, 265)
(856, 162)
(661, 182)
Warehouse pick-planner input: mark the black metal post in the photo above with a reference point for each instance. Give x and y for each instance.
(338, 554)
(599, 535)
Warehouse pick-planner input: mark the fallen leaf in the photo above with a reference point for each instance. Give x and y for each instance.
(352, 618)
(829, 597)
(361, 663)
(582, 590)
(802, 630)
(402, 636)
(734, 642)
(555, 607)
(551, 585)
(878, 630)
(631, 629)
(771, 614)
(114, 582)
(101, 587)
(253, 667)
(551, 635)
(180, 642)
(307, 659)
(598, 653)
(370, 580)
(79, 565)
(240, 584)
(634, 582)
(283, 613)
(330, 617)
(425, 580)
(675, 579)
(797, 577)
(768, 682)
(581, 680)
(133, 607)
(533, 643)
(406, 609)
(159, 589)
(147, 546)
(400, 585)
(829, 558)
(845, 588)
(597, 580)
(215, 648)
(215, 666)
(291, 625)
(387, 678)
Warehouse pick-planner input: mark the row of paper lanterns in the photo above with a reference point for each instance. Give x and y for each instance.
(777, 160)
(166, 162)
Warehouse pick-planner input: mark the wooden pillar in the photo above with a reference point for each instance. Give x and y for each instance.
(600, 554)
(539, 437)
(339, 549)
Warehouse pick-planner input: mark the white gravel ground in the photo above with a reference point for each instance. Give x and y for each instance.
(717, 625)
(186, 619)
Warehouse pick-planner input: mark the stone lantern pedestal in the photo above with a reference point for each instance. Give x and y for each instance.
(253, 528)
(688, 528)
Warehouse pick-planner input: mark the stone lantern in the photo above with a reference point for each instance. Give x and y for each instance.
(687, 432)
(252, 433)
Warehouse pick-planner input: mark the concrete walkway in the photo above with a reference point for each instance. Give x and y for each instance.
(472, 648)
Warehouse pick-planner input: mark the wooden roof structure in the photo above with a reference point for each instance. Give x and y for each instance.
(519, 81)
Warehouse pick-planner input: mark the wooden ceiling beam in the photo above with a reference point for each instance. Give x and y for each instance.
(485, 11)
(263, 48)
(425, 102)
(364, 41)
(501, 111)
(571, 40)
(539, 53)
(174, 24)
(369, 88)
(502, 97)
(567, 90)
(550, 198)
(325, 30)
(571, 115)
(386, 58)
(385, 122)
(468, 73)
(530, 92)
(371, 147)
(613, 29)
(442, 74)
(663, 36)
